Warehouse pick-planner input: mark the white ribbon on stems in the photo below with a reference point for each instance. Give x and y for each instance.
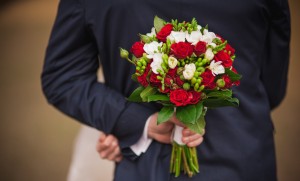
(177, 133)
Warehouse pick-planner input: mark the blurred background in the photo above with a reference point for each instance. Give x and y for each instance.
(36, 141)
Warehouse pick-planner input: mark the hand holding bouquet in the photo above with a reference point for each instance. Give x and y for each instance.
(188, 70)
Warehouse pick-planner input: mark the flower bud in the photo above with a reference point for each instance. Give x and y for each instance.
(193, 81)
(145, 38)
(196, 86)
(124, 53)
(186, 86)
(202, 87)
(165, 58)
(209, 55)
(180, 70)
(139, 64)
(220, 83)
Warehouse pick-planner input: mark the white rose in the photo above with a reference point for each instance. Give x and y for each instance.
(151, 48)
(189, 70)
(194, 37)
(208, 37)
(216, 68)
(172, 62)
(176, 36)
(153, 33)
(209, 55)
(156, 63)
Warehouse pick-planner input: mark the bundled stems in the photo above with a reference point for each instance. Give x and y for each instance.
(184, 159)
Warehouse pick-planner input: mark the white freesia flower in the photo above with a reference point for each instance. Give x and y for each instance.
(153, 33)
(209, 55)
(216, 68)
(156, 64)
(194, 37)
(189, 70)
(199, 27)
(152, 48)
(176, 36)
(208, 37)
(172, 62)
(213, 45)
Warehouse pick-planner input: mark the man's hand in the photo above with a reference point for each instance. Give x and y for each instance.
(108, 148)
(163, 132)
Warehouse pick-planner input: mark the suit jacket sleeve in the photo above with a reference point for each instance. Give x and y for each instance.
(70, 83)
(275, 68)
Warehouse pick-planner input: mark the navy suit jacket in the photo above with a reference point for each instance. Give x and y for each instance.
(238, 144)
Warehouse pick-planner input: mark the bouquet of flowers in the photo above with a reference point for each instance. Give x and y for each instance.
(187, 69)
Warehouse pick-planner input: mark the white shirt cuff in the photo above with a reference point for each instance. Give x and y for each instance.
(144, 142)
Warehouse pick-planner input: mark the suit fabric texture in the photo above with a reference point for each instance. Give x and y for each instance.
(238, 144)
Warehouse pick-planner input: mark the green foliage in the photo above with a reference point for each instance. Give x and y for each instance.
(145, 38)
(232, 75)
(165, 114)
(220, 94)
(134, 77)
(147, 92)
(158, 97)
(199, 125)
(220, 102)
(189, 114)
(158, 23)
(135, 95)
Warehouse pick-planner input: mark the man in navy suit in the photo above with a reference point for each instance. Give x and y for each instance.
(239, 143)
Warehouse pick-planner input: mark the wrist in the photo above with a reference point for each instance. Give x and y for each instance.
(152, 122)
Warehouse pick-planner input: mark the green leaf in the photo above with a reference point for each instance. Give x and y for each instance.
(165, 114)
(199, 110)
(220, 102)
(145, 38)
(158, 23)
(187, 114)
(147, 92)
(199, 125)
(158, 97)
(134, 77)
(222, 93)
(232, 75)
(166, 103)
(135, 95)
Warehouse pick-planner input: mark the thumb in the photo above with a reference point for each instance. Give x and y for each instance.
(102, 137)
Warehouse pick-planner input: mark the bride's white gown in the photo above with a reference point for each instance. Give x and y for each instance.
(86, 164)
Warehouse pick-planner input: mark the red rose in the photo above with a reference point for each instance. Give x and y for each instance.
(227, 81)
(179, 82)
(154, 81)
(207, 78)
(167, 90)
(196, 97)
(229, 49)
(180, 97)
(200, 48)
(172, 72)
(224, 58)
(143, 78)
(212, 85)
(168, 81)
(164, 32)
(137, 49)
(182, 49)
(237, 83)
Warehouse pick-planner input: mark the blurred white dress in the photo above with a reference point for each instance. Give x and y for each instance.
(86, 164)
